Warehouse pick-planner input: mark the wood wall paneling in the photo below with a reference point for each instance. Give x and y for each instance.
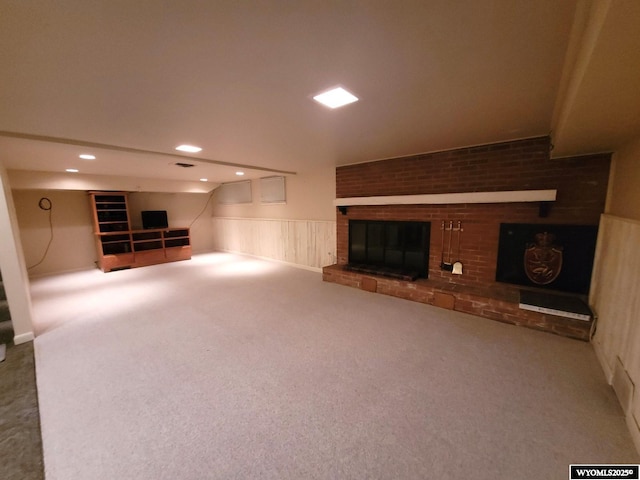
(617, 276)
(306, 243)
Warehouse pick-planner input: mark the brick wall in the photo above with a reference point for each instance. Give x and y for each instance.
(519, 165)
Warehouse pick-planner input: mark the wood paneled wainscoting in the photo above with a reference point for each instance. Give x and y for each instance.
(305, 243)
(614, 295)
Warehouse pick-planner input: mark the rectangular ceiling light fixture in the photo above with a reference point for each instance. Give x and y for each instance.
(188, 148)
(336, 97)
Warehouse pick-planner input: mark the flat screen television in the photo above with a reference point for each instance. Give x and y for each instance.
(154, 219)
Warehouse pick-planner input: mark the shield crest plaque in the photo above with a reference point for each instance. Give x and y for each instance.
(543, 260)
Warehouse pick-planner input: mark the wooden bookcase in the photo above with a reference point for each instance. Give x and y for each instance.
(120, 247)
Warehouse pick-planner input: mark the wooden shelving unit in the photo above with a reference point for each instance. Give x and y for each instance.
(120, 247)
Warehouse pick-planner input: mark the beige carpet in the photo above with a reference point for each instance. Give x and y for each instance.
(228, 367)
(20, 437)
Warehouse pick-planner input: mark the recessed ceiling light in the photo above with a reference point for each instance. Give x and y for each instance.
(87, 156)
(204, 179)
(188, 148)
(239, 173)
(72, 170)
(335, 98)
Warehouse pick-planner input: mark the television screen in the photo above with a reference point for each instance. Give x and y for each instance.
(154, 219)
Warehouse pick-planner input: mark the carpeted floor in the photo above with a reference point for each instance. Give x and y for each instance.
(228, 367)
(20, 441)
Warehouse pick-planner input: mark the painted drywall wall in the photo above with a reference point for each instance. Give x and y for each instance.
(309, 194)
(12, 264)
(625, 194)
(192, 210)
(73, 246)
(616, 283)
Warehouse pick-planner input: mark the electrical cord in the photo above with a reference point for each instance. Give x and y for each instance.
(46, 205)
(205, 206)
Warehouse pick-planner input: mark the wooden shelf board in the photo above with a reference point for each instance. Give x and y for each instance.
(514, 196)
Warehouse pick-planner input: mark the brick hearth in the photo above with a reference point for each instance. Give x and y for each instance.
(496, 302)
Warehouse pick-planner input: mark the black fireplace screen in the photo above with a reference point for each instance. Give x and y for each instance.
(394, 247)
(555, 257)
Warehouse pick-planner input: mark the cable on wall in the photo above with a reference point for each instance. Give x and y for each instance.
(205, 206)
(46, 205)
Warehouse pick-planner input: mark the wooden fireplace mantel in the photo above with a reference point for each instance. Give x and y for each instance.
(513, 196)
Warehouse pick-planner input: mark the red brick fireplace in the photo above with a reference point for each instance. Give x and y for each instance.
(523, 165)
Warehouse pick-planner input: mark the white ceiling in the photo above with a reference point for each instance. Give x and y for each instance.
(130, 80)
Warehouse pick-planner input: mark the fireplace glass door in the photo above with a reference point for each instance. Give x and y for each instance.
(390, 246)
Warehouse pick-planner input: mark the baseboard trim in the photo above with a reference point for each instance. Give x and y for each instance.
(630, 418)
(269, 259)
(607, 370)
(623, 386)
(634, 429)
(23, 338)
(35, 276)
